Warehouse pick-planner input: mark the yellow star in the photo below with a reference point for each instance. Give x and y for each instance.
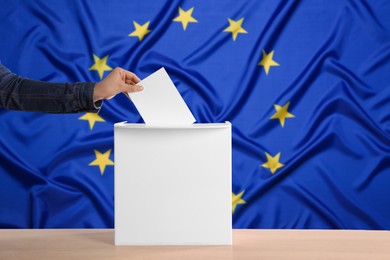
(235, 27)
(100, 65)
(282, 113)
(236, 199)
(268, 61)
(272, 162)
(140, 30)
(91, 118)
(102, 160)
(185, 17)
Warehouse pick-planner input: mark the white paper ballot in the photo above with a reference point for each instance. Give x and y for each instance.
(160, 103)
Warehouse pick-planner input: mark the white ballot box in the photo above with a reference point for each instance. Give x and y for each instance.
(173, 184)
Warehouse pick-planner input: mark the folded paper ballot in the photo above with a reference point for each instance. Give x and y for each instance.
(160, 103)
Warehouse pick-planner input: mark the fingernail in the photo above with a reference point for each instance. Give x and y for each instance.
(140, 88)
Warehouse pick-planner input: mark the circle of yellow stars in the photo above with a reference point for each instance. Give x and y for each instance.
(185, 17)
(236, 200)
(140, 30)
(92, 118)
(102, 160)
(272, 162)
(235, 27)
(282, 113)
(267, 61)
(100, 65)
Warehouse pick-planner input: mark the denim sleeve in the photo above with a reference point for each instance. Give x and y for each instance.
(17, 93)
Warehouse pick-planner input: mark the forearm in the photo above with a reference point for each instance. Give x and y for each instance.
(17, 93)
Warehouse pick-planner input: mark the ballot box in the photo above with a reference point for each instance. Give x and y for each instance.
(173, 184)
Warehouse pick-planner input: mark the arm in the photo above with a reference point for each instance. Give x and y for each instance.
(18, 93)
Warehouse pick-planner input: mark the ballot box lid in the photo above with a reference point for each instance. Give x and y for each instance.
(192, 126)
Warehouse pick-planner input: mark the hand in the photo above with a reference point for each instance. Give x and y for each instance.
(119, 80)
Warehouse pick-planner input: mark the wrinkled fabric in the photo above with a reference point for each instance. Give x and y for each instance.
(333, 70)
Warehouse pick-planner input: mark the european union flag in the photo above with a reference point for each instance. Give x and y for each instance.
(305, 84)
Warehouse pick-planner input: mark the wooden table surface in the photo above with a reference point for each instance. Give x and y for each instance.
(72, 244)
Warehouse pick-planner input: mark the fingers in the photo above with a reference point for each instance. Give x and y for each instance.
(130, 77)
(130, 82)
(131, 88)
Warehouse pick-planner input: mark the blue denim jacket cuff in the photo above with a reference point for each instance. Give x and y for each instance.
(98, 104)
(85, 96)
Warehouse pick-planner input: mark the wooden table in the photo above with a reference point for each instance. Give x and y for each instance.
(57, 244)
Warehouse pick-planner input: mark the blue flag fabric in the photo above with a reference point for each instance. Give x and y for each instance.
(305, 84)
